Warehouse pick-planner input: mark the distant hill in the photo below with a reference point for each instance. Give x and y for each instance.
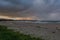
(16, 20)
(6, 20)
(31, 20)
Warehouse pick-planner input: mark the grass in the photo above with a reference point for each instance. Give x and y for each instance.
(9, 34)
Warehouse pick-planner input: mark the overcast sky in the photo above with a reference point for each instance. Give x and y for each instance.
(41, 9)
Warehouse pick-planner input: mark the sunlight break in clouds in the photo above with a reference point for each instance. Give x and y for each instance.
(40, 9)
(16, 18)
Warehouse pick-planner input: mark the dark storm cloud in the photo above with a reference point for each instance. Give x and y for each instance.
(15, 7)
(47, 9)
(42, 9)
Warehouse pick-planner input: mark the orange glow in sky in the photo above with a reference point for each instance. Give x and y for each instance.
(22, 18)
(16, 18)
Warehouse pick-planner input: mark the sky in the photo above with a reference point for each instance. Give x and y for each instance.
(30, 9)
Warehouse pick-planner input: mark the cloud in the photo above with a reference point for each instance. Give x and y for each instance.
(45, 9)
(15, 7)
(41, 9)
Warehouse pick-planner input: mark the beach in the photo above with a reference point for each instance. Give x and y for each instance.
(48, 31)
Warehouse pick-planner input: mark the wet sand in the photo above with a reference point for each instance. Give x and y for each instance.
(48, 31)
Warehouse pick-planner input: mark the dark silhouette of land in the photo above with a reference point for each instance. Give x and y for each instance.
(6, 20)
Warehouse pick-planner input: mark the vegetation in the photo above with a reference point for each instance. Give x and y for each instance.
(8, 34)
